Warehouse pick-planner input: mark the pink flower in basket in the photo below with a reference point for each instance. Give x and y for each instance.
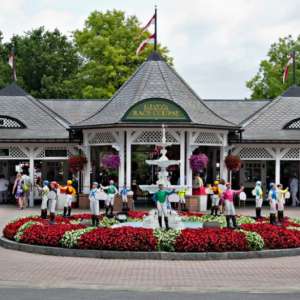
(111, 161)
(198, 162)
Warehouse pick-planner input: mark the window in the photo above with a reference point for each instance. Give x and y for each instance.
(8, 122)
(253, 171)
(56, 153)
(4, 152)
(294, 124)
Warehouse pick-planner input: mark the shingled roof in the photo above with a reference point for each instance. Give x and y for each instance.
(155, 79)
(236, 111)
(39, 122)
(74, 110)
(268, 125)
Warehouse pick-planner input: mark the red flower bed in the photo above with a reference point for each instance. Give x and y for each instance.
(81, 216)
(122, 239)
(47, 235)
(11, 229)
(287, 222)
(136, 214)
(210, 240)
(275, 237)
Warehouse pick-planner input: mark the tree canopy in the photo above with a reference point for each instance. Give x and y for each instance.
(267, 83)
(108, 43)
(93, 63)
(44, 60)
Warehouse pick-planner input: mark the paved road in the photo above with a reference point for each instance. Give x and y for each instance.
(71, 294)
(26, 270)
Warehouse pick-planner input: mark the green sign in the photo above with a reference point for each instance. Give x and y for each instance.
(155, 110)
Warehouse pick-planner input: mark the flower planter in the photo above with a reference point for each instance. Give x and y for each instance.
(192, 203)
(118, 203)
(75, 232)
(84, 202)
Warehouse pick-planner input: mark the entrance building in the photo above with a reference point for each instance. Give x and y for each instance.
(43, 134)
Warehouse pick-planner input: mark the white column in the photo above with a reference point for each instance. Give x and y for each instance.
(128, 159)
(31, 175)
(122, 160)
(277, 166)
(214, 163)
(86, 173)
(182, 159)
(223, 169)
(189, 173)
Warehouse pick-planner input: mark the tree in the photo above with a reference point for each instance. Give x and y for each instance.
(108, 43)
(267, 83)
(45, 60)
(5, 70)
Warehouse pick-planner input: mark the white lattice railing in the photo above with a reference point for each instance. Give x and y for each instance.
(101, 137)
(153, 137)
(291, 154)
(267, 153)
(16, 152)
(208, 138)
(255, 153)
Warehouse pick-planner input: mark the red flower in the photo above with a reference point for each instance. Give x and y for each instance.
(137, 214)
(190, 214)
(122, 239)
(47, 235)
(275, 237)
(210, 240)
(11, 229)
(233, 162)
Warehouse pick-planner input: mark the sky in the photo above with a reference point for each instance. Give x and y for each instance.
(217, 45)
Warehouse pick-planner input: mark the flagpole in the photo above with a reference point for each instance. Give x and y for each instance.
(155, 29)
(294, 67)
(14, 68)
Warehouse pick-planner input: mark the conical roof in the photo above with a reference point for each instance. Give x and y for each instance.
(155, 79)
(292, 91)
(13, 90)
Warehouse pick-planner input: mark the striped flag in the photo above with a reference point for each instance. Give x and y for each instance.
(286, 68)
(144, 43)
(12, 63)
(151, 21)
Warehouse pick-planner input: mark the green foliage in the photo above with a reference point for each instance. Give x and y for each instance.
(44, 61)
(94, 63)
(295, 220)
(108, 222)
(71, 238)
(267, 83)
(166, 239)
(108, 43)
(254, 240)
(206, 218)
(22, 228)
(5, 69)
(245, 220)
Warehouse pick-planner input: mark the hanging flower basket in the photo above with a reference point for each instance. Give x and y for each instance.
(233, 162)
(76, 163)
(198, 162)
(111, 161)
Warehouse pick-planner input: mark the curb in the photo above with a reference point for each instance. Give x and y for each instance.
(8, 244)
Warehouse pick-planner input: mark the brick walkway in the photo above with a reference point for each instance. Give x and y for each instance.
(31, 270)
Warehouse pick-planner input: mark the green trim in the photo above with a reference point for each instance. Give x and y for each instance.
(156, 110)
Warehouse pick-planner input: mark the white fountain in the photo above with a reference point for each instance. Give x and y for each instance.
(163, 163)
